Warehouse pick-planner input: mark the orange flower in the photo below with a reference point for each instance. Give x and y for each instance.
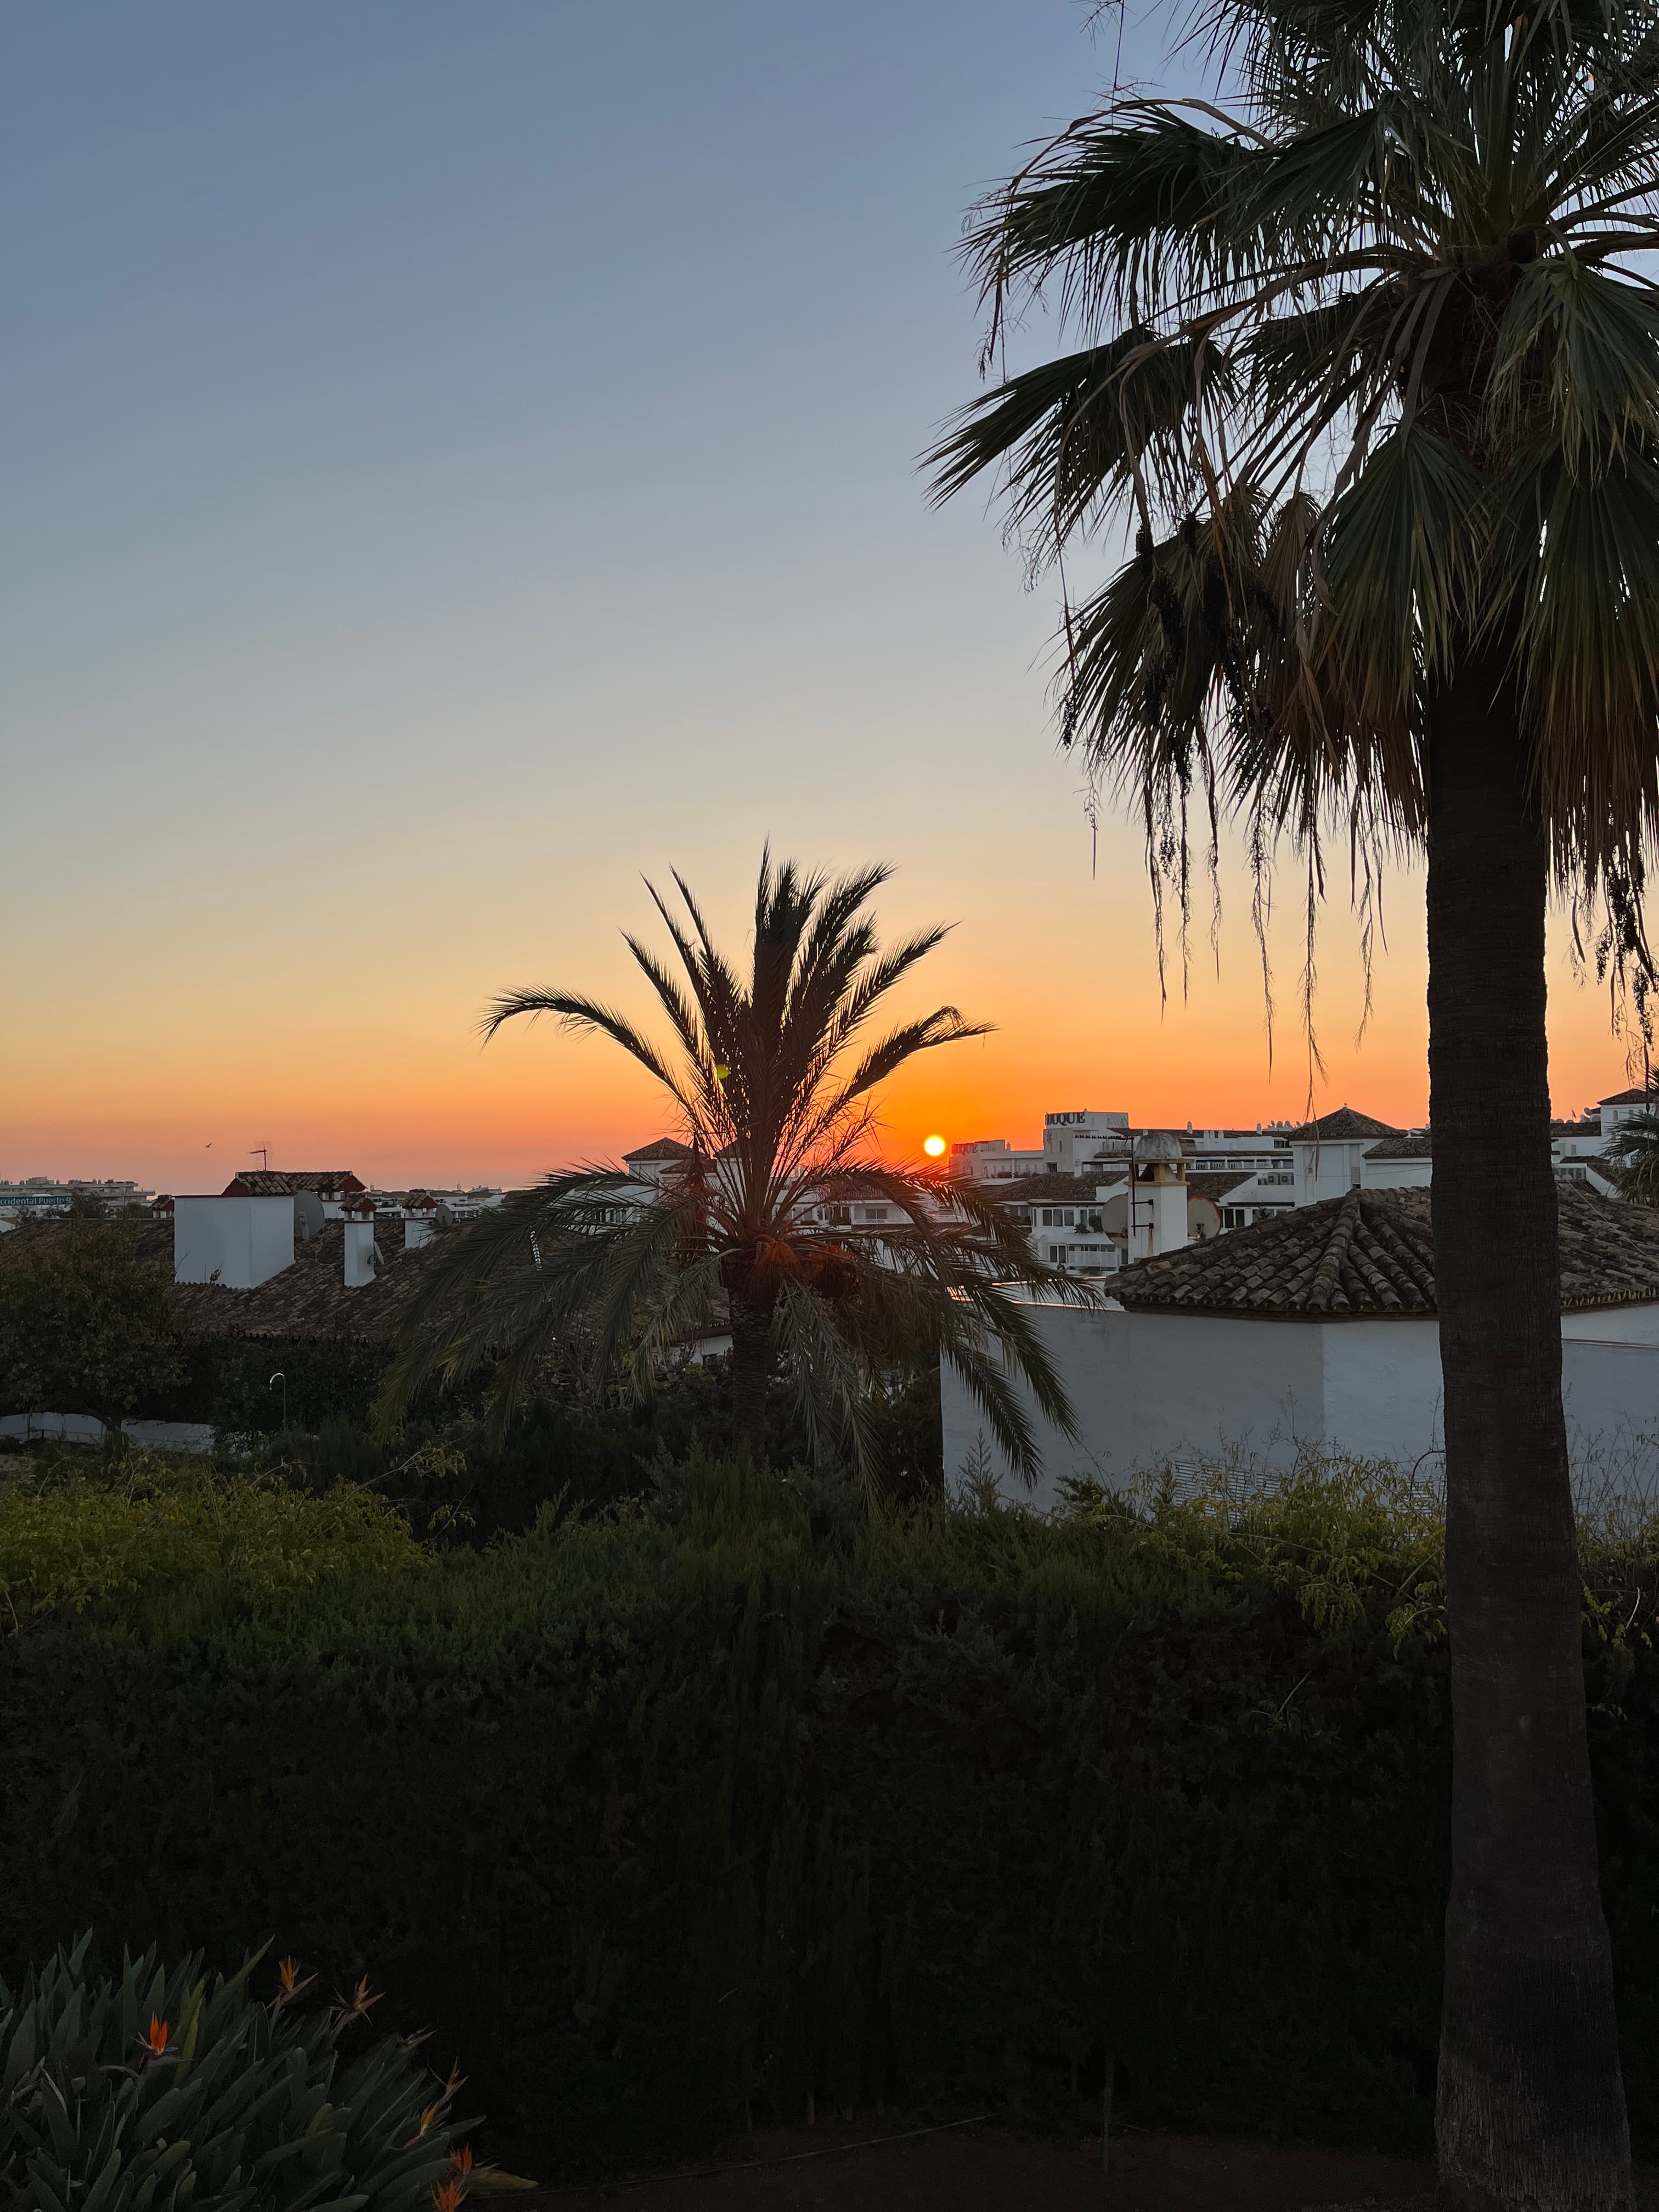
(456, 2078)
(156, 2041)
(290, 1983)
(356, 2006)
(446, 2196)
(461, 2159)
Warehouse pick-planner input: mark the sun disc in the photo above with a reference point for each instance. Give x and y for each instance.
(933, 1146)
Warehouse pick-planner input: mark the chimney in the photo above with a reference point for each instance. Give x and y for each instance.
(358, 1243)
(160, 1207)
(419, 1220)
(1160, 1195)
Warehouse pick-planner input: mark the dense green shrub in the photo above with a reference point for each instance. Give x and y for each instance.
(169, 2088)
(87, 1326)
(697, 1804)
(169, 1531)
(579, 1448)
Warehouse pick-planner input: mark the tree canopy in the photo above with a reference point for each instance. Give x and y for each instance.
(1368, 371)
(87, 1326)
(763, 1219)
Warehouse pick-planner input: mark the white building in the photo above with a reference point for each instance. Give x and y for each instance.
(1072, 1141)
(993, 1160)
(39, 1198)
(1267, 1171)
(1624, 1106)
(1318, 1329)
(1397, 1163)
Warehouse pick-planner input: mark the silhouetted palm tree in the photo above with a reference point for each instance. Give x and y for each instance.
(1632, 1152)
(1370, 368)
(766, 1211)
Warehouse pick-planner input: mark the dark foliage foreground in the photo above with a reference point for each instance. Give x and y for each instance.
(699, 1808)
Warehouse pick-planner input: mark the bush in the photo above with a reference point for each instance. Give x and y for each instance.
(699, 1805)
(174, 1533)
(87, 1326)
(169, 2087)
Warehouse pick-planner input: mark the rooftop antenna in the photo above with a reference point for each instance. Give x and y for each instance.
(264, 1151)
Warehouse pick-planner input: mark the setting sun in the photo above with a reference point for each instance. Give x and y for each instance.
(933, 1146)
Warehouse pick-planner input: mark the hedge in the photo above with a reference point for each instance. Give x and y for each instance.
(670, 1817)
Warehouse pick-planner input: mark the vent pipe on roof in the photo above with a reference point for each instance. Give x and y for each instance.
(358, 1243)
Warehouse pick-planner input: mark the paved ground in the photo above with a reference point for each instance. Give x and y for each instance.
(985, 2169)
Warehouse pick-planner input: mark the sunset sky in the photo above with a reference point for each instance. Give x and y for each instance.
(460, 459)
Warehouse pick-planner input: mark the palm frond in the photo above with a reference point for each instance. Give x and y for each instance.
(582, 1013)
(1405, 281)
(775, 1098)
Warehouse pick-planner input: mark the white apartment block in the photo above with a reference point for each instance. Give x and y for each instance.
(1079, 1194)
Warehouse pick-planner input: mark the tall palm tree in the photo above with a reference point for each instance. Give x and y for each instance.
(766, 1208)
(1368, 367)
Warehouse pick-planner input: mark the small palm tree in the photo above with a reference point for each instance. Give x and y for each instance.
(1367, 374)
(765, 1210)
(1632, 1152)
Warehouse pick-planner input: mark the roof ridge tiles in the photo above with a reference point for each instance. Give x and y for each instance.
(1371, 1252)
(1327, 1274)
(1385, 1224)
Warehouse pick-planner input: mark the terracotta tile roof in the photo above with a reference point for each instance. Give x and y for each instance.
(1046, 1189)
(1332, 1128)
(1416, 1147)
(282, 1182)
(1372, 1253)
(665, 1148)
(152, 1240)
(309, 1299)
(1631, 1098)
(1215, 1186)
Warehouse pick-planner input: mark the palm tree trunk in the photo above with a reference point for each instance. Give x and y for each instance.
(751, 1372)
(1531, 2104)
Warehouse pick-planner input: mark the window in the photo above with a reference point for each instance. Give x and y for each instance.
(1056, 1255)
(838, 1217)
(1059, 1216)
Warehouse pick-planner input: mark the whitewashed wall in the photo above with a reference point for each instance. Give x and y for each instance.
(1382, 1385)
(83, 1429)
(1149, 1387)
(1396, 1175)
(1613, 1325)
(239, 1242)
(1328, 1169)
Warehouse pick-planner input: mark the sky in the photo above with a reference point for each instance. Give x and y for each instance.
(463, 460)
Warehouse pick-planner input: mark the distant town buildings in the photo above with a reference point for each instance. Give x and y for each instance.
(1083, 1197)
(39, 1197)
(1084, 1193)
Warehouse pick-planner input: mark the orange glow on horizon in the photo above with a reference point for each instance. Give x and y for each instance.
(173, 1075)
